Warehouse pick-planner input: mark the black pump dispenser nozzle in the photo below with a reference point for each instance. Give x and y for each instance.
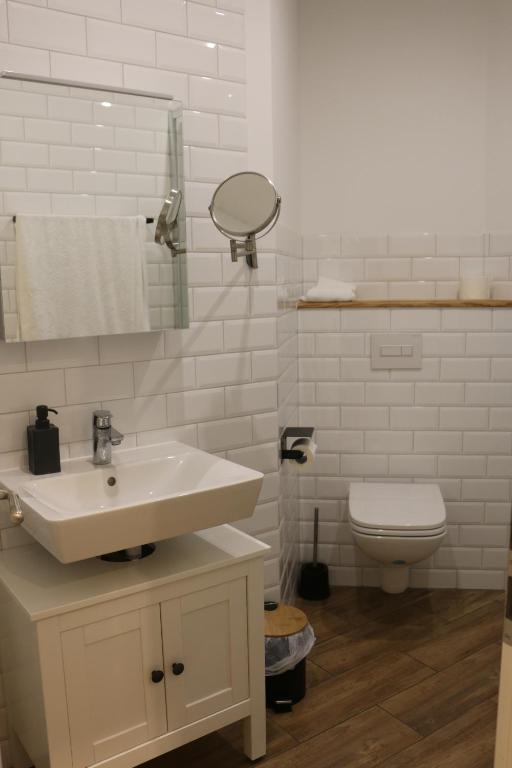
(42, 420)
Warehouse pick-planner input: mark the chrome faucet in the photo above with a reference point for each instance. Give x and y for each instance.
(104, 437)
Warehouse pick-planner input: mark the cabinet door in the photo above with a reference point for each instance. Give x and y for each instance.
(206, 634)
(113, 702)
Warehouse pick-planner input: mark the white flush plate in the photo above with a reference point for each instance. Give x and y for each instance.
(396, 350)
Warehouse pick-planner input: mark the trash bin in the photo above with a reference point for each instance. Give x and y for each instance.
(288, 639)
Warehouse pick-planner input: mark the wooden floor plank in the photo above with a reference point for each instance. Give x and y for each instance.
(222, 749)
(453, 604)
(278, 740)
(328, 624)
(373, 604)
(209, 752)
(467, 742)
(435, 702)
(345, 696)
(355, 608)
(395, 681)
(339, 598)
(396, 631)
(461, 637)
(315, 674)
(360, 742)
(361, 600)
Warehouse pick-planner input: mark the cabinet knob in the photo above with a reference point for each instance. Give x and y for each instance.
(177, 668)
(157, 676)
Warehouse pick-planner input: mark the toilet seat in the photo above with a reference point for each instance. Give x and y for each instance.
(397, 509)
(403, 533)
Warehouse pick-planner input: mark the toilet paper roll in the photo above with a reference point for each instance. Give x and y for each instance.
(475, 287)
(308, 448)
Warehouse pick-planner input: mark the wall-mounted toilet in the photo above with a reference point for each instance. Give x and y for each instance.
(397, 524)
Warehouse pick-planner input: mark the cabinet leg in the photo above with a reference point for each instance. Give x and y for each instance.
(255, 737)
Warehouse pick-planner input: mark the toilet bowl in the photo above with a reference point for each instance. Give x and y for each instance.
(396, 524)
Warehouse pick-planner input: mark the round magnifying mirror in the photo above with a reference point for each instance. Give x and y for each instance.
(244, 204)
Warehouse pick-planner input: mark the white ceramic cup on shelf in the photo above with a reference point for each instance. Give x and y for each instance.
(475, 287)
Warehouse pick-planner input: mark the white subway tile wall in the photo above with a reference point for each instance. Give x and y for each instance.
(419, 266)
(289, 287)
(450, 422)
(230, 381)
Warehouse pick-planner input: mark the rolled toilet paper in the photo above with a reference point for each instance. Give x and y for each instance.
(475, 287)
(308, 448)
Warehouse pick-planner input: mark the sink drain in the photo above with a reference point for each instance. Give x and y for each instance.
(127, 555)
(111, 481)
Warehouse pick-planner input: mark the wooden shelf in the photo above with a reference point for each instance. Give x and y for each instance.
(404, 303)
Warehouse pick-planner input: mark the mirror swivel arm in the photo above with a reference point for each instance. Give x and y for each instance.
(248, 247)
(167, 222)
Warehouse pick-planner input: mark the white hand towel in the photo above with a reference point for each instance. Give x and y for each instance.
(328, 289)
(80, 276)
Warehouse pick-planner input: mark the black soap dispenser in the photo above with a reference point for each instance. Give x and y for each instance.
(43, 444)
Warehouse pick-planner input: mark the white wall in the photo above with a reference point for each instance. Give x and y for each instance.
(273, 98)
(406, 181)
(285, 105)
(499, 115)
(394, 115)
(215, 385)
(272, 47)
(449, 422)
(284, 28)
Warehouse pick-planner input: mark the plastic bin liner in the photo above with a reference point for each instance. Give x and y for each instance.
(284, 653)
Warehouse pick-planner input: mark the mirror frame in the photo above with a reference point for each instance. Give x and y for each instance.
(248, 246)
(179, 299)
(245, 233)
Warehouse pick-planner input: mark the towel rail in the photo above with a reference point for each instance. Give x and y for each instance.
(149, 220)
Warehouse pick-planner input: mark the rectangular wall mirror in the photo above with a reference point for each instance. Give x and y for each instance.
(88, 176)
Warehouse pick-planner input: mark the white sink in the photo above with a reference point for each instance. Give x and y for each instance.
(147, 494)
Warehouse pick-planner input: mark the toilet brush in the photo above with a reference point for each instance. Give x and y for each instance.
(314, 577)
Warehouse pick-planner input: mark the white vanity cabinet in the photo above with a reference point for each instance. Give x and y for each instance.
(113, 664)
(205, 635)
(112, 702)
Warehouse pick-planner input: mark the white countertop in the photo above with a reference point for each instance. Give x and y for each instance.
(45, 587)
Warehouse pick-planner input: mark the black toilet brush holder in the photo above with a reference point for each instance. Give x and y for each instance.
(314, 576)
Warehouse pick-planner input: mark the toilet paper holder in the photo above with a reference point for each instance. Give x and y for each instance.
(288, 436)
